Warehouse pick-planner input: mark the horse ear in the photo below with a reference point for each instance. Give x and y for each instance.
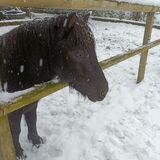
(86, 17)
(72, 20)
(73, 17)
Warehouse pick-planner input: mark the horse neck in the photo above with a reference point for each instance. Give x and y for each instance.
(41, 31)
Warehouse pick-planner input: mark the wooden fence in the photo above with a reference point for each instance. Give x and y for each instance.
(6, 145)
(81, 4)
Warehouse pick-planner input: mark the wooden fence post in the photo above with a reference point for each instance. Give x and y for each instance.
(7, 151)
(146, 39)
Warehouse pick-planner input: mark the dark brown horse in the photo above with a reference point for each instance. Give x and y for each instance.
(38, 51)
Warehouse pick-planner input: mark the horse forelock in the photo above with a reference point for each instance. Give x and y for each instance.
(79, 34)
(83, 35)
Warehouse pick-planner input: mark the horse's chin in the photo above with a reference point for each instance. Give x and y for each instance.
(91, 99)
(80, 92)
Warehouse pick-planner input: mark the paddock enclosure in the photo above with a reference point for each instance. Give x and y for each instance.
(6, 145)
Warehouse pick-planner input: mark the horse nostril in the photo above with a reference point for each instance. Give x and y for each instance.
(88, 80)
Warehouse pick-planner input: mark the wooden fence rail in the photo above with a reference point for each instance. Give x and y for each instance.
(81, 4)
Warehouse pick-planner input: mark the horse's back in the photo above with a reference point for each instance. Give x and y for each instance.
(23, 56)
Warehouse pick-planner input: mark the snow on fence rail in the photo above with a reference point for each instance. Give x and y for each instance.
(13, 22)
(7, 151)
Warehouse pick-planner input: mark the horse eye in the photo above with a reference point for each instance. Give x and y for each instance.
(79, 55)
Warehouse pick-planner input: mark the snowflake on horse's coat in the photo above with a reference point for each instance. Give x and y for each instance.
(38, 51)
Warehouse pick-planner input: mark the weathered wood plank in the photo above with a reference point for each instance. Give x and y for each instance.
(7, 151)
(81, 4)
(43, 91)
(121, 57)
(28, 98)
(146, 39)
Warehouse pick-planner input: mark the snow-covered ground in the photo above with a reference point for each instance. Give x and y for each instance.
(157, 18)
(124, 126)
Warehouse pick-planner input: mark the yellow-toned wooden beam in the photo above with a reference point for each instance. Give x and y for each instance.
(146, 39)
(7, 151)
(30, 97)
(122, 57)
(80, 4)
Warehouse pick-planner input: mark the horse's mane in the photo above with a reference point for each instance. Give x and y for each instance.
(49, 31)
(41, 38)
(71, 27)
